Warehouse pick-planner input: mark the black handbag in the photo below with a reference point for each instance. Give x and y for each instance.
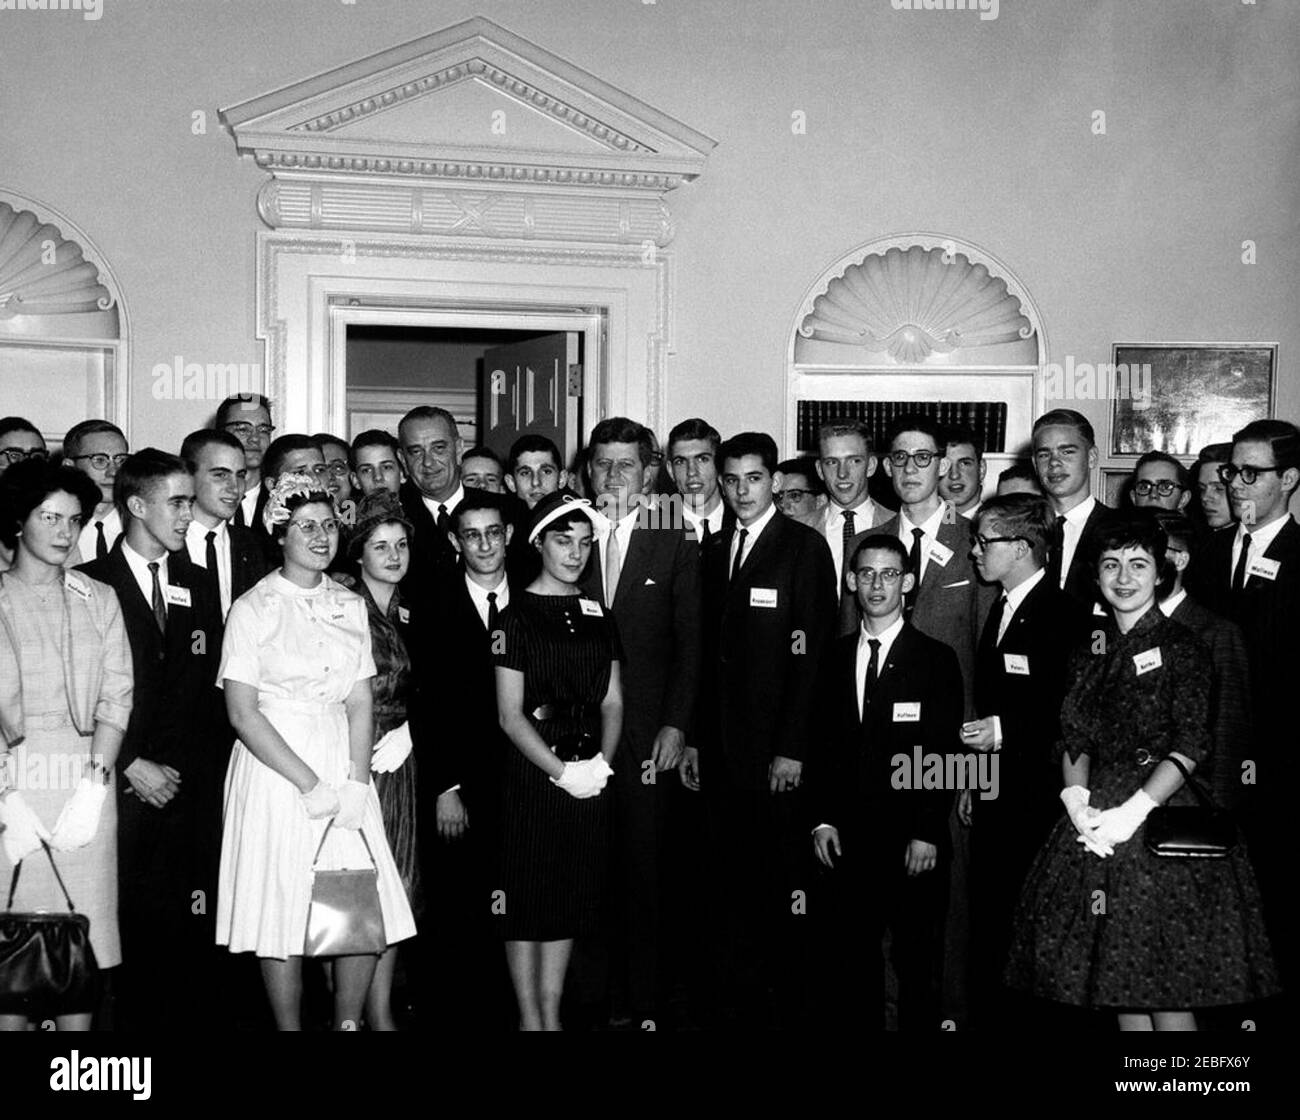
(344, 918)
(1201, 831)
(47, 966)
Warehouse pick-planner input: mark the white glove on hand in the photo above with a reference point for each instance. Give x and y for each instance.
(79, 821)
(580, 779)
(352, 804)
(391, 750)
(601, 769)
(1083, 817)
(320, 801)
(22, 830)
(1115, 826)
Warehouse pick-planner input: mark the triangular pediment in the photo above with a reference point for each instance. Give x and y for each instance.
(472, 94)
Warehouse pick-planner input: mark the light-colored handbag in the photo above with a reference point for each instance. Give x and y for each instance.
(344, 918)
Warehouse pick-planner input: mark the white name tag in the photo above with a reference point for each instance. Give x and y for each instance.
(178, 596)
(907, 711)
(403, 615)
(1148, 660)
(590, 606)
(1016, 663)
(1262, 566)
(74, 584)
(940, 554)
(762, 596)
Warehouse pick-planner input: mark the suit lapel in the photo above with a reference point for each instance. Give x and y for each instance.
(635, 564)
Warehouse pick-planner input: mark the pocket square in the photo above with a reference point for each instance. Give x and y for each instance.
(648, 582)
(959, 583)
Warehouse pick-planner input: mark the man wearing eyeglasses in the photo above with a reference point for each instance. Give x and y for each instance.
(802, 496)
(1025, 644)
(19, 439)
(1160, 482)
(247, 417)
(97, 449)
(1253, 577)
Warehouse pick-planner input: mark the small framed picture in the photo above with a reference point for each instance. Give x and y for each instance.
(1184, 395)
(1115, 486)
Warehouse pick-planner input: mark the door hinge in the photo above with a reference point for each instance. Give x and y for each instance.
(575, 380)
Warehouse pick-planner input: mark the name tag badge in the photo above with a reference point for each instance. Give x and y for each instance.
(940, 554)
(591, 607)
(762, 596)
(403, 615)
(1017, 664)
(907, 711)
(1262, 566)
(1148, 660)
(178, 596)
(75, 585)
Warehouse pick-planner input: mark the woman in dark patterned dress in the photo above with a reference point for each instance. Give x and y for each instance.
(379, 546)
(561, 704)
(1102, 922)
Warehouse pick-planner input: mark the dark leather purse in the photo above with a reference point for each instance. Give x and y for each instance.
(344, 918)
(1201, 831)
(47, 966)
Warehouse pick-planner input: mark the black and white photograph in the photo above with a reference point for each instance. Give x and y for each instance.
(631, 516)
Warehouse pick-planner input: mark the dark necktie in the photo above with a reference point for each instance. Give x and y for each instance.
(994, 621)
(914, 556)
(494, 616)
(1239, 576)
(101, 543)
(846, 536)
(210, 555)
(159, 604)
(444, 519)
(705, 533)
(740, 554)
(872, 679)
(238, 519)
(1057, 552)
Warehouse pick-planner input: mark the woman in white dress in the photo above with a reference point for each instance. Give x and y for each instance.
(296, 665)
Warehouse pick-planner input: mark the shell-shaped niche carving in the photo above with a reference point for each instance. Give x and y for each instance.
(43, 273)
(914, 303)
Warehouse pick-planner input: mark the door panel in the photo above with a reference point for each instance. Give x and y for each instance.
(524, 389)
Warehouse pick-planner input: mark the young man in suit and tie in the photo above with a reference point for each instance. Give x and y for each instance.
(166, 849)
(769, 608)
(845, 464)
(247, 417)
(1065, 453)
(889, 690)
(693, 459)
(1020, 681)
(647, 575)
(97, 449)
(962, 483)
(376, 463)
(431, 450)
(1253, 577)
(534, 470)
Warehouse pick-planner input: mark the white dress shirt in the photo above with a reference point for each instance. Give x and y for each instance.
(450, 504)
(1072, 531)
(143, 577)
(1168, 606)
(1015, 597)
(970, 513)
(833, 530)
(88, 539)
(479, 597)
(886, 641)
(931, 535)
(248, 503)
(752, 533)
(196, 544)
(1261, 536)
(713, 519)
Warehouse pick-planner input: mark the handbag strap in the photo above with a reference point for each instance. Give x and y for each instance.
(1197, 789)
(13, 881)
(321, 846)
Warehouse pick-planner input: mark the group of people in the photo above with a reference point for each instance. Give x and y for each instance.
(701, 737)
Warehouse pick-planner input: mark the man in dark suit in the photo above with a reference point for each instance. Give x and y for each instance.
(1020, 680)
(894, 698)
(534, 470)
(166, 847)
(247, 417)
(647, 573)
(1253, 578)
(1065, 454)
(769, 607)
(431, 448)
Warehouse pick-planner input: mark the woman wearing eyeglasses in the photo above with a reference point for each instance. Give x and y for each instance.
(1102, 921)
(296, 666)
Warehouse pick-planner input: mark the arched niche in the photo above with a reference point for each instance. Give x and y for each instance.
(917, 319)
(62, 323)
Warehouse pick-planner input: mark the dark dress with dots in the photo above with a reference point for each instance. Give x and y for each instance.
(1137, 931)
(554, 846)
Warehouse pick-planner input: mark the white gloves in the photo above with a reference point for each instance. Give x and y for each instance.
(1083, 817)
(1114, 826)
(79, 820)
(352, 804)
(392, 750)
(22, 832)
(320, 801)
(586, 778)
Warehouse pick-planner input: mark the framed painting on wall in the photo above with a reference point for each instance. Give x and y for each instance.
(1184, 395)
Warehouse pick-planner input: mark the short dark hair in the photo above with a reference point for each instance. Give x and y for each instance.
(429, 412)
(1213, 453)
(1180, 471)
(1022, 515)
(964, 433)
(1178, 529)
(805, 465)
(695, 428)
(281, 448)
(619, 429)
(10, 424)
(916, 423)
(844, 426)
(482, 451)
(1020, 471)
(195, 442)
(1066, 418)
(78, 432)
(477, 500)
(322, 438)
(240, 401)
(1134, 528)
(141, 472)
(25, 485)
(750, 443)
(375, 437)
(886, 541)
(536, 443)
(1282, 437)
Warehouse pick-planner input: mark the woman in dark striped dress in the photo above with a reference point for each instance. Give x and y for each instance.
(561, 704)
